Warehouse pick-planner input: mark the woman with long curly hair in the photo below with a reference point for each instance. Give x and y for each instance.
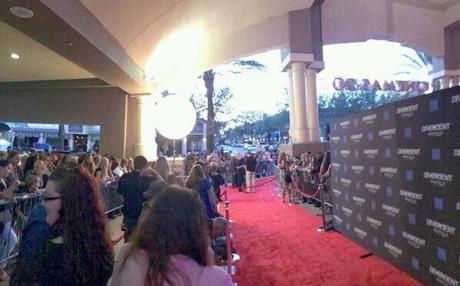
(72, 246)
(171, 246)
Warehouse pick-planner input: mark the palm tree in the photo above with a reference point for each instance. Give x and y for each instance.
(421, 63)
(208, 77)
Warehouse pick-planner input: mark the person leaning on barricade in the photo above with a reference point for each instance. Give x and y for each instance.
(71, 246)
(315, 167)
(325, 175)
(8, 238)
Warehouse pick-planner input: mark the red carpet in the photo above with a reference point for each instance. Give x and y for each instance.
(279, 245)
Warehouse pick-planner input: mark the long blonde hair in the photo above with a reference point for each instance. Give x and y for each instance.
(104, 165)
(194, 178)
(162, 167)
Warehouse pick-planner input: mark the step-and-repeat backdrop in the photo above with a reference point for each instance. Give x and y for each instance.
(396, 183)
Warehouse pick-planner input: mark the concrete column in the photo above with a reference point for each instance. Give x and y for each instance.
(314, 132)
(455, 81)
(291, 107)
(184, 146)
(445, 82)
(145, 132)
(436, 84)
(300, 119)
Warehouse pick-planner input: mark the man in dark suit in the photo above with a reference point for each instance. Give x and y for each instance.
(131, 187)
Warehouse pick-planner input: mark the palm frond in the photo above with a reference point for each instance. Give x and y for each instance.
(412, 60)
(250, 64)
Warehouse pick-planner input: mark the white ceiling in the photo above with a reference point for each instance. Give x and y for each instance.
(139, 25)
(440, 5)
(37, 62)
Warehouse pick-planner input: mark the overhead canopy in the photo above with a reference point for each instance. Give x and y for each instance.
(180, 38)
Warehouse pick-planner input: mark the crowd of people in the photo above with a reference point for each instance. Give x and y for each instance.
(241, 170)
(303, 175)
(171, 231)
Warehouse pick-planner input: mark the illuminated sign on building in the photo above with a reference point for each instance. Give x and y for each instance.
(351, 84)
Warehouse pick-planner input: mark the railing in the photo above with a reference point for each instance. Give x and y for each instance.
(307, 186)
(16, 213)
(13, 217)
(112, 200)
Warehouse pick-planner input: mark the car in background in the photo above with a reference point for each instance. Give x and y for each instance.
(42, 147)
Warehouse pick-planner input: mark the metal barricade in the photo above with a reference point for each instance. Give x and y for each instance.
(112, 200)
(265, 168)
(308, 187)
(13, 216)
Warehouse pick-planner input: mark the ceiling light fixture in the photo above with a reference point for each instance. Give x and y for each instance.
(15, 56)
(21, 12)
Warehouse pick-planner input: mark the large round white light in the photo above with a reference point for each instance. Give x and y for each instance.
(175, 117)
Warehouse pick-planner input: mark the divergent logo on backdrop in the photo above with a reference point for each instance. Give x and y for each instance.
(374, 223)
(389, 172)
(360, 233)
(391, 211)
(387, 134)
(443, 278)
(411, 197)
(372, 188)
(356, 138)
(393, 250)
(357, 169)
(438, 179)
(369, 119)
(345, 153)
(344, 124)
(457, 153)
(436, 130)
(395, 183)
(409, 154)
(413, 240)
(456, 99)
(407, 111)
(371, 153)
(442, 229)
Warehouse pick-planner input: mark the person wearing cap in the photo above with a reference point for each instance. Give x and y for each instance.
(8, 238)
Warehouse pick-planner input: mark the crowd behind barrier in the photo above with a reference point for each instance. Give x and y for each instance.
(307, 180)
(22, 206)
(25, 177)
